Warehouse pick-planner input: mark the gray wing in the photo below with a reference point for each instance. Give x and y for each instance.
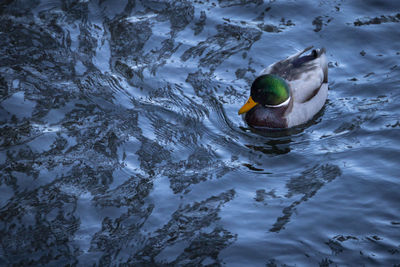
(287, 68)
(304, 74)
(302, 112)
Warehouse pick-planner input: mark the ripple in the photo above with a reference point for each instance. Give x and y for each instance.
(120, 141)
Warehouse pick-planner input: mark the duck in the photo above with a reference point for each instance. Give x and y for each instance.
(289, 92)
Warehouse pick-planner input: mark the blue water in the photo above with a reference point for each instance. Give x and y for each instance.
(120, 141)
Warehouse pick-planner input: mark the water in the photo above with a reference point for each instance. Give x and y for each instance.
(120, 139)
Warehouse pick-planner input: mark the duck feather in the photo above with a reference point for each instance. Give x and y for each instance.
(307, 77)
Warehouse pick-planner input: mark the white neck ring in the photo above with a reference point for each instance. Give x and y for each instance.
(280, 105)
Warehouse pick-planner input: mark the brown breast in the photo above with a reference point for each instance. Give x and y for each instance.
(261, 116)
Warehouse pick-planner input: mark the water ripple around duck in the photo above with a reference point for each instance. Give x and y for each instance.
(120, 141)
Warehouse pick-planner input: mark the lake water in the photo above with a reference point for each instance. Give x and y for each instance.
(120, 141)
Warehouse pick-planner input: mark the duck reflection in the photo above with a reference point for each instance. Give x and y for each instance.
(273, 146)
(307, 184)
(269, 141)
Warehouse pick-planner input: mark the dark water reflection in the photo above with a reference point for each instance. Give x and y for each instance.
(120, 141)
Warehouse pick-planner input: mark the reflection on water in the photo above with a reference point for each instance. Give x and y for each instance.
(307, 185)
(273, 146)
(120, 141)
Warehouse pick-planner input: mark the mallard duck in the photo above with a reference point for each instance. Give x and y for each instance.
(289, 92)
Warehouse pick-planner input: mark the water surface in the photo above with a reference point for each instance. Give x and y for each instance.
(121, 144)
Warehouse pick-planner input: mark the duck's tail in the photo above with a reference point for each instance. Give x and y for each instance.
(314, 53)
(298, 54)
(318, 52)
(324, 62)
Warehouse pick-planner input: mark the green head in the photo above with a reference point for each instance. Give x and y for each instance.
(270, 90)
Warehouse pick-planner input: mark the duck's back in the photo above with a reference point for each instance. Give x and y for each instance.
(307, 77)
(304, 74)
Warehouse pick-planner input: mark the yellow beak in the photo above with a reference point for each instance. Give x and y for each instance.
(246, 107)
